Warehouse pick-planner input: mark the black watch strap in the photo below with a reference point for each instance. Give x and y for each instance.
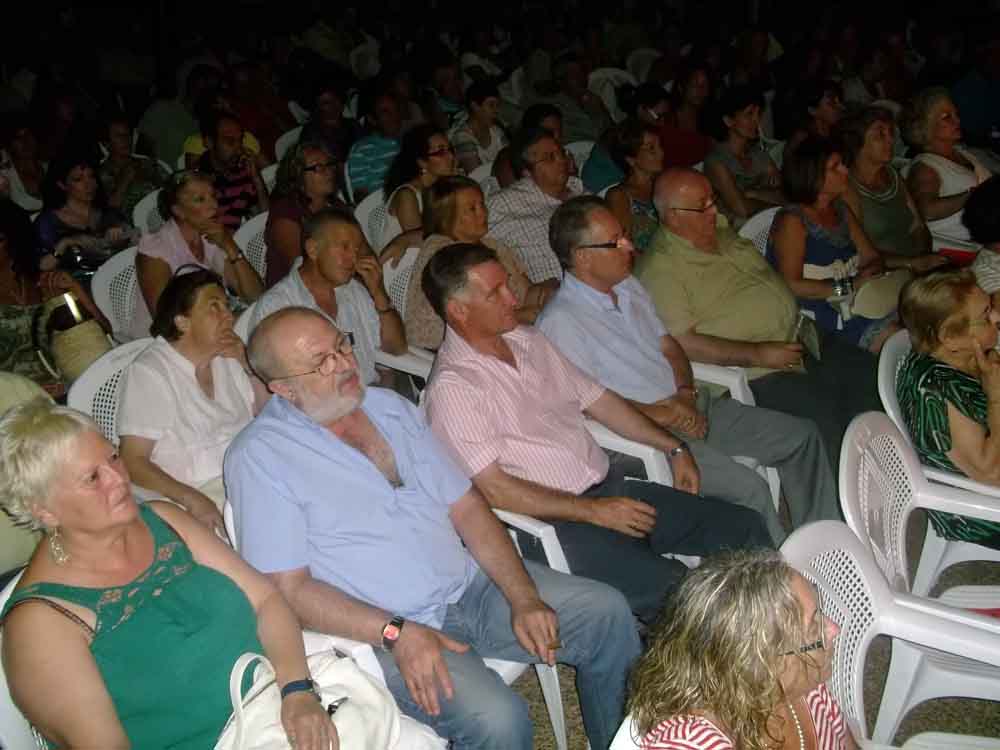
(391, 632)
(299, 686)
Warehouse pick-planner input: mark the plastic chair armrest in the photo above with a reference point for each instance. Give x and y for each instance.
(941, 477)
(927, 623)
(950, 499)
(415, 362)
(733, 378)
(657, 466)
(540, 530)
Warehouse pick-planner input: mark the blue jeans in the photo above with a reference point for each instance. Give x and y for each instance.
(599, 638)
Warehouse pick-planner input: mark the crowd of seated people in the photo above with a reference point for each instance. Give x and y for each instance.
(551, 312)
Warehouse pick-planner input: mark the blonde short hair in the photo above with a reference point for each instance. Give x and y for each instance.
(928, 305)
(36, 438)
(916, 116)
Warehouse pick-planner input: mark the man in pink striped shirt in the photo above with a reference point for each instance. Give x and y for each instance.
(512, 408)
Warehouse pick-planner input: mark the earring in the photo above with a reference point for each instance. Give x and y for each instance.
(59, 553)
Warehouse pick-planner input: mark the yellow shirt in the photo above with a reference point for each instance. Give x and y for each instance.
(195, 144)
(732, 293)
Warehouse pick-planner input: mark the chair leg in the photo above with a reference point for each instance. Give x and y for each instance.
(548, 678)
(905, 662)
(930, 562)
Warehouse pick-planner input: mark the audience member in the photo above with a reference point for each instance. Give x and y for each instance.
(186, 396)
(135, 615)
(519, 214)
(605, 323)
(725, 305)
(982, 219)
(239, 189)
(327, 124)
(878, 195)
(524, 443)
(541, 115)
(683, 135)
(816, 241)
(637, 150)
(306, 183)
(977, 93)
(401, 84)
(444, 97)
(479, 139)
(370, 157)
(744, 177)
(323, 279)
(866, 86)
(817, 110)
(741, 658)
(477, 59)
(584, 116)
(25, 171)
(125, 177)
(256, 104)
(943, 174)
(167, 123)
(456, 212)
(949, 387)
(208, 110)
(425, 156)
(405, 554)
(194, 235)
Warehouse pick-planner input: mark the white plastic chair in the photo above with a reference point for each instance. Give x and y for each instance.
(604, 81)
(513, 88)
(146, 214)
(483, 174)
(285, 141)
(97, 392)
(115, 290)
(938, 553)
(758, 228)
(641, 60)
(364, 60)
(269, 175)
(881, 484)
(252, 240)
(299, 113)
(182, 162)
(242, 325)
(580, 151)
(856, 596)
(416, 361)
(509, 671)
(15, 731)
(371, 215)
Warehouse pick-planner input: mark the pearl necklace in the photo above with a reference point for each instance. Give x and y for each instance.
(798, 727)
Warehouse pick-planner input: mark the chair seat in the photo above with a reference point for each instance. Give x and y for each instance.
(972, 597)
(941, 740)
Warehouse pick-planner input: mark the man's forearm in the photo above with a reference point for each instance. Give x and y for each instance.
(507, 492)
(713, 350)
(325, 609)
(617, 415)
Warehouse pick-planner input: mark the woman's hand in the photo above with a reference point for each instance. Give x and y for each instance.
(989, 371)
(56, 282)
(307, 723)
(205, 511)
(232, 347)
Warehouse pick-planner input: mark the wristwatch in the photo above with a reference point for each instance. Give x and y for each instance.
(678, 450)
(391, 632)
(299, 686)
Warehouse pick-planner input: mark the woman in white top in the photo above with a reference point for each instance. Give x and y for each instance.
(187, 396)
(22, 166)
(479, 139)
(424, 156)
(192, 235)
(943, 175)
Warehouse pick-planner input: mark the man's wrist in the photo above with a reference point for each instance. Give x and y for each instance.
(678, 450)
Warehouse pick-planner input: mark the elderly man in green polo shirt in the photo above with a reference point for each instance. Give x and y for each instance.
(725, 305)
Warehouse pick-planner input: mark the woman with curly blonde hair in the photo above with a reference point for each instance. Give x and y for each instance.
(739, 660)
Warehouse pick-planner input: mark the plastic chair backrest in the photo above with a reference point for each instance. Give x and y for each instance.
(371, 214)
(603, 193)
(604, 82)
(580, 151)
(758, 228)
(15, 731)
(624, 737)
(397, 280)
(513, 88)
(146, 214)
(890, 359)
(269, 175)
(182, 162)
(285, 141)
(641, 60)
(115, 289)
(242, 325)
(298, 112)
(98, 391)
(852, 592)
(252, 239)
(480, 173)
(880, 478)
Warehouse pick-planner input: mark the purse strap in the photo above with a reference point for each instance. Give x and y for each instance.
(236, 689)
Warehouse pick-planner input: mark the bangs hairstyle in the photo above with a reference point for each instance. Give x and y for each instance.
(291, 176)
(930, 307)
(170, 194)
(36, 438)
(735, 100)
(719, 647)
(853, 129)
(625, 142)
(440, 203)
(178, 297)
(447, 272)
(804, 169)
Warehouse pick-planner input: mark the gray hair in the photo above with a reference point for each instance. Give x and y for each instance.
(916, 117)
(36, 438)
(262, 349)
(569, 227)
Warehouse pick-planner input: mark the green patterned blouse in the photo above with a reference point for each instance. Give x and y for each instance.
(925, 387)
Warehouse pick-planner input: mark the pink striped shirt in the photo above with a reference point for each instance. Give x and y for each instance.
(698, 733)
(528, 420)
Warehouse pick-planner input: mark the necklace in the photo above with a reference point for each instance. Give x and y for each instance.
(798, 727)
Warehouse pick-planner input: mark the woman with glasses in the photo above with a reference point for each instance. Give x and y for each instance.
(424, 156)
(739, 660)
(636, 149)
(187, 396)
(306, 183)
(194, 235)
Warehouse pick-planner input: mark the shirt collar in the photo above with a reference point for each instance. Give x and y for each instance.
(455, 349)
(574, 288)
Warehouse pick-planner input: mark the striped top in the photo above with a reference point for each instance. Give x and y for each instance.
(698, 733)
(369, 160)
(527, 420)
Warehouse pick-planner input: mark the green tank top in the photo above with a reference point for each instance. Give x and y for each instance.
(887, 216)
(165, 643)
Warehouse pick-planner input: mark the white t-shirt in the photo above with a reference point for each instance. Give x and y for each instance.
(162, 401)
(955, 179)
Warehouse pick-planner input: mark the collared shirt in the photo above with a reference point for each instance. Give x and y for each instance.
(519, 217)
(304, 498)
(732, 293)
(369, 160)
(619, 345)
(355, 313)
(528, 420)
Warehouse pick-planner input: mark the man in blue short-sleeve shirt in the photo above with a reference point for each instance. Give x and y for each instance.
(346, 499)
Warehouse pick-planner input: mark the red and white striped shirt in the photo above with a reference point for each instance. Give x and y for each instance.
(698, 733)
(528, 420)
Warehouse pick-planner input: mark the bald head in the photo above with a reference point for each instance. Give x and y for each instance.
(273, 338)
(685, 203)
(677, 184)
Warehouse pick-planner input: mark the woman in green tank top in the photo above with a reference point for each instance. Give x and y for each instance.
(123, 630)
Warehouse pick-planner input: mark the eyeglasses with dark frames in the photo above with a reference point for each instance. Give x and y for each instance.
(441, 151)
(343, 349)
(707, 207)
(622, 241)
(321, 166)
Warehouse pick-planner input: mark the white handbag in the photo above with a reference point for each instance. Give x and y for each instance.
(366, 716)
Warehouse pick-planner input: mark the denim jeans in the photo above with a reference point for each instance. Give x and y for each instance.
(599, 638)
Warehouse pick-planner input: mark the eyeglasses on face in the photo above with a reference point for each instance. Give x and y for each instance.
(704, 209)
(621, 242)
(326, 365)
(321, 166)
(806, 648)
(441, 151)
(553, 156)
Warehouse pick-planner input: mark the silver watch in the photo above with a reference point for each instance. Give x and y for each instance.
(682, 448)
